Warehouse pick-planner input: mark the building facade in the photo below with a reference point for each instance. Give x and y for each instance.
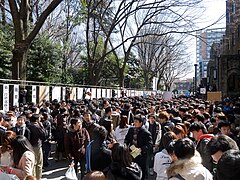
(230, 55)
(205, 40)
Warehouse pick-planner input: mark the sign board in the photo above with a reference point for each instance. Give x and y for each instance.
(73, 95)
(109, 94)
(79, 93)
(5, 97)
(63, 93)
(167, 95)
(99, 93)
(94, 91)
(214, 96)
(203, 91)
(43, 93)
(56, 93)
(16, 95)
(34, 94)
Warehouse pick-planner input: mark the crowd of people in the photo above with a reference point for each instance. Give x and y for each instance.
(124, 138)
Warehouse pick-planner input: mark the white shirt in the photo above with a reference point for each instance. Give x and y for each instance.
(120, 134)
(162, 161)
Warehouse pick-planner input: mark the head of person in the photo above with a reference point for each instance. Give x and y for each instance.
(198, 129)
(7, 140)
(21, 120)
(35, 118)
(168, 137)
(138, 120)
(224, 127)
(123, 122)
(20, 145)
(151, 118)
(108, 111)
(184, 148)
(163, 117)
(121, 155)
(94, 175)
(219, 144)
(179, 131)
(99, 133)
(86, 116)
(75, 123)
(228, 167)
(199, 118)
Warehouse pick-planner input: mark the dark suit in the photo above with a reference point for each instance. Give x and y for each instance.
(144, 141)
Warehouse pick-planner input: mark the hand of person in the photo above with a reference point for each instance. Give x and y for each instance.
(83, 150)
(7, 169)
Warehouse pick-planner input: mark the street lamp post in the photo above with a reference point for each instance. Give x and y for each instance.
(195, 82)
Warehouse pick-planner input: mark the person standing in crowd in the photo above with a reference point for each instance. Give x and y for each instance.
(21, 128)
(6, 157)
(23, 158)
(38, 134)
(99, 156)
(122, 166)
(121, 130)
(188, 164)
(139, 139)
(115, 117)
(46, 145)
(106, 121)
(217, 146)
(228, 167)
(76, 141)
(3, 127)
(88, 124)
(163, 159)
(155, 129)
(202, 138)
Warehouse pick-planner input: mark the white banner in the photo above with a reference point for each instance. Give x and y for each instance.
(79, 93)
(132, 93)
(16, 95)
(99, 93)
(5, 97)
(56, 93)
(104, 93)
(94, 92)
(34, 94)
(119, 93)
(73, 95)
(109, 94)
(63, 93)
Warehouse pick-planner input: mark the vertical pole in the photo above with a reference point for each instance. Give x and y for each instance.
(195, 82)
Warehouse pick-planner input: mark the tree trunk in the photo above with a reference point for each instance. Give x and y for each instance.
(121, 77)
(19, 61)
(2, 7)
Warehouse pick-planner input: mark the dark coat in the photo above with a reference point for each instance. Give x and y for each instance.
(118, 172)
(76, 141)
(38, 134)
(144, 141)
(89, 126)
(22, 130)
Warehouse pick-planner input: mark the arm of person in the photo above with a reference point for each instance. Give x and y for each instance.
(148, 143)
(26, 166)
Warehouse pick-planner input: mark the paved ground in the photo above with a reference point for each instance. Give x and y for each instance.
(56, 170)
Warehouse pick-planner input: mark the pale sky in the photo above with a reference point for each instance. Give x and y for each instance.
(214, 10)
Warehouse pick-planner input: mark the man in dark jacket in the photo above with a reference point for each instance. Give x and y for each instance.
(21, 128)
(139, 140)
(200, 134)
(38, 134)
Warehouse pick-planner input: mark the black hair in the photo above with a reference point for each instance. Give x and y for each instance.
(34, 118)
(100, 132)
(108, 109)
(123, 122)
(121, 154)
(228, 167)
(224, 124)
(74, 121)
(184, 148)
(168, 137)
(20, 145)
(200, 117)
(196, 126)
(221, 143)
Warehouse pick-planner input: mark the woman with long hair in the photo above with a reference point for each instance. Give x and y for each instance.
(6, 158)
(122, 166)
(23, 158)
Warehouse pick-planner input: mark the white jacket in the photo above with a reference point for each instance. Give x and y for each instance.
(162, 161)
(120, 134)
(189, 169)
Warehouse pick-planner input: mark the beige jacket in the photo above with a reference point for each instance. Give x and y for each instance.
(25, 165)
